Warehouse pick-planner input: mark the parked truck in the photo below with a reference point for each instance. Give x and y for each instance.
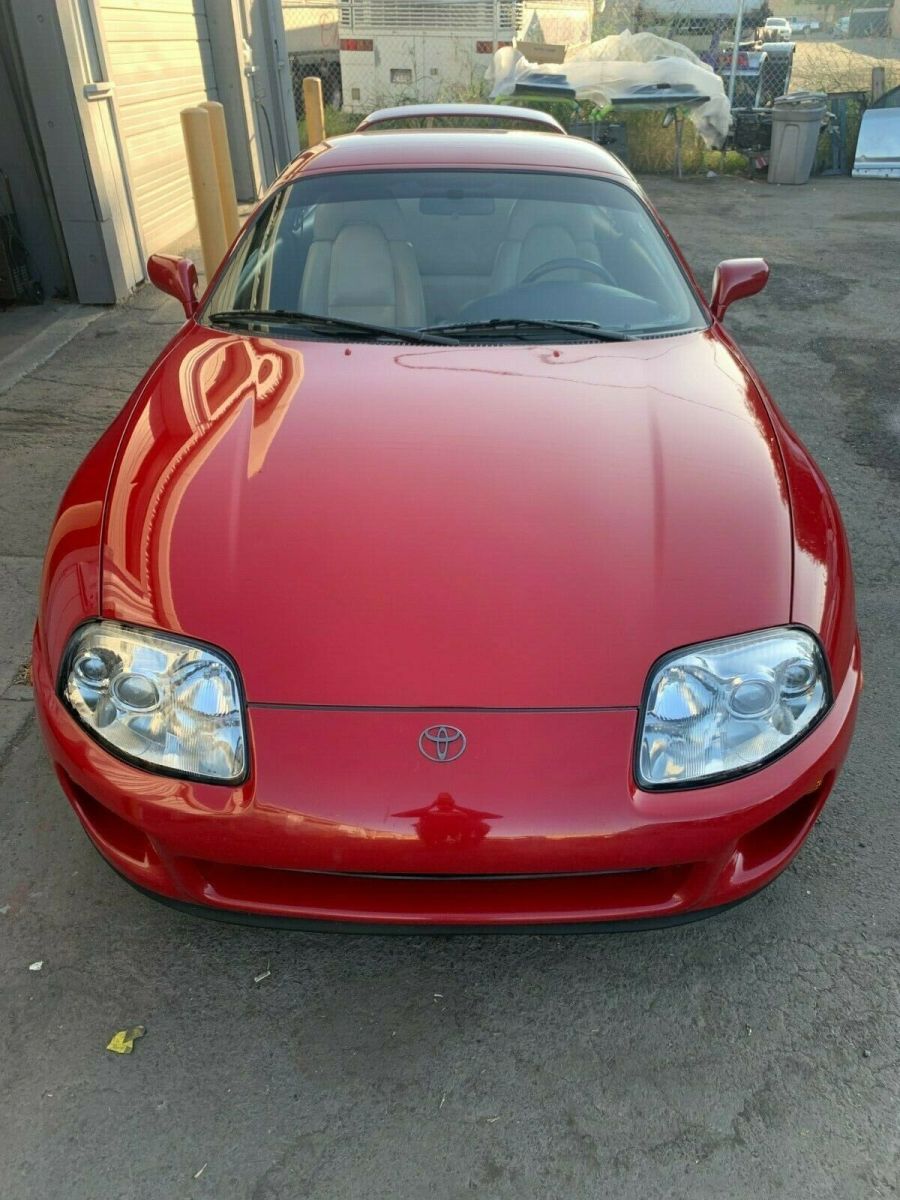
(775, 29)
(804, 25)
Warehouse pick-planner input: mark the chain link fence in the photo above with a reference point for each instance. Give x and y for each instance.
(312, 31)
(834, 60)
(380, 53)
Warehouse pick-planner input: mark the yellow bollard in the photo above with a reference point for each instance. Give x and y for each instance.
(223, 167)
(314, 109)
(205, 186)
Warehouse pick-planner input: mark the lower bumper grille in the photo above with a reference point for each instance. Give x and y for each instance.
(444, 900)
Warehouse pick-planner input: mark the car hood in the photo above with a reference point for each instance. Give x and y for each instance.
(514, 526)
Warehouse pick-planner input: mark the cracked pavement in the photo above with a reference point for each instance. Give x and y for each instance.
(751, 1056)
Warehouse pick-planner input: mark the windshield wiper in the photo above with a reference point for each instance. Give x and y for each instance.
(326, 325)
(585, 329)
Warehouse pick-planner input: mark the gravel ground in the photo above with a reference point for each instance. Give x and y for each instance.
(753, 1056)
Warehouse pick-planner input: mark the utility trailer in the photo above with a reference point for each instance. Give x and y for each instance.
(421, 51)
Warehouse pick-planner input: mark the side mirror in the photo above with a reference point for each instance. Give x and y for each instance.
(176, 277)
(736, 278)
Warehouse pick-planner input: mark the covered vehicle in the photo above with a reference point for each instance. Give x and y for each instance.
(450, 566)
(622, 69)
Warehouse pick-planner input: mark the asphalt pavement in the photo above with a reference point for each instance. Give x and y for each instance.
(751, 1056)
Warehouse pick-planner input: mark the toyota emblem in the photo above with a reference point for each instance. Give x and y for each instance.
(442, 743)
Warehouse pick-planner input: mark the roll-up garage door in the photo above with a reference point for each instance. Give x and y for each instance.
(158, 57)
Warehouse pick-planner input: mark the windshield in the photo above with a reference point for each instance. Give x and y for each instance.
(418, 250)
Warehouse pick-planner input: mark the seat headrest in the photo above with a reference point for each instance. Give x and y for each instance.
(362, 273)
(385, 215)
(528, 215)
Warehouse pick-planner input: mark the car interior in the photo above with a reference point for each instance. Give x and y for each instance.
(448, 254)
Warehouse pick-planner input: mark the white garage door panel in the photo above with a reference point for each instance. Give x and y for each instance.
(129, 22)
(162, 197)
(154, 100)
(159, 58)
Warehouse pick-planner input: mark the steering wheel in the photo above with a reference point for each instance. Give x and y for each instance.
(567, 264)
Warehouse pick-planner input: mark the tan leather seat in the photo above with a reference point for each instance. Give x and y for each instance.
(360, 266)
(538, 232)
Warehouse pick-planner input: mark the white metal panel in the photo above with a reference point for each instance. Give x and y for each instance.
(454, 16)
(159, 58)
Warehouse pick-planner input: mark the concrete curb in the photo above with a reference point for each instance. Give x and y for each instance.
(38, 349)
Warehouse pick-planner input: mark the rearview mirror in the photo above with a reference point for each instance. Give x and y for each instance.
(176, 277)
(736, 278)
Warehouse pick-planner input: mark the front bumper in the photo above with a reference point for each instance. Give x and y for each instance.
(539, 823)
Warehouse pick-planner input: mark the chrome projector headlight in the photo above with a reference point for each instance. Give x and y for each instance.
(722, 708)
(165, 703)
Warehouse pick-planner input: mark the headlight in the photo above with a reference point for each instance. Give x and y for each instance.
(725, 707)
(164, 703)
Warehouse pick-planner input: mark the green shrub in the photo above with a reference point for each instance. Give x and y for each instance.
(336, 121)
(726, 162)
(651, 145)
(850, 134)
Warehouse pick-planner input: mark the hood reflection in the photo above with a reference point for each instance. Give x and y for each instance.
(168, 445)
(446, 823)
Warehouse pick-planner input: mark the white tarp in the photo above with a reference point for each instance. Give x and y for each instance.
(611, 68)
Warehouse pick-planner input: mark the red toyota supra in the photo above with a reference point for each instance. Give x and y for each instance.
(450, 566)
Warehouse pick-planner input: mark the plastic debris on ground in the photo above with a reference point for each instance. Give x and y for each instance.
(123, 1041)
(878, 147)
(614, 67)
(36, 966)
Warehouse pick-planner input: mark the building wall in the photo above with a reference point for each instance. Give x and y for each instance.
(17, 162)
(157, 56)
(105, 82)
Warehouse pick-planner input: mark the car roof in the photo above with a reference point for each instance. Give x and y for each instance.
(478, 149)
(458, 114)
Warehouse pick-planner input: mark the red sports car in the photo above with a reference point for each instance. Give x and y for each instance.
(451, 566)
